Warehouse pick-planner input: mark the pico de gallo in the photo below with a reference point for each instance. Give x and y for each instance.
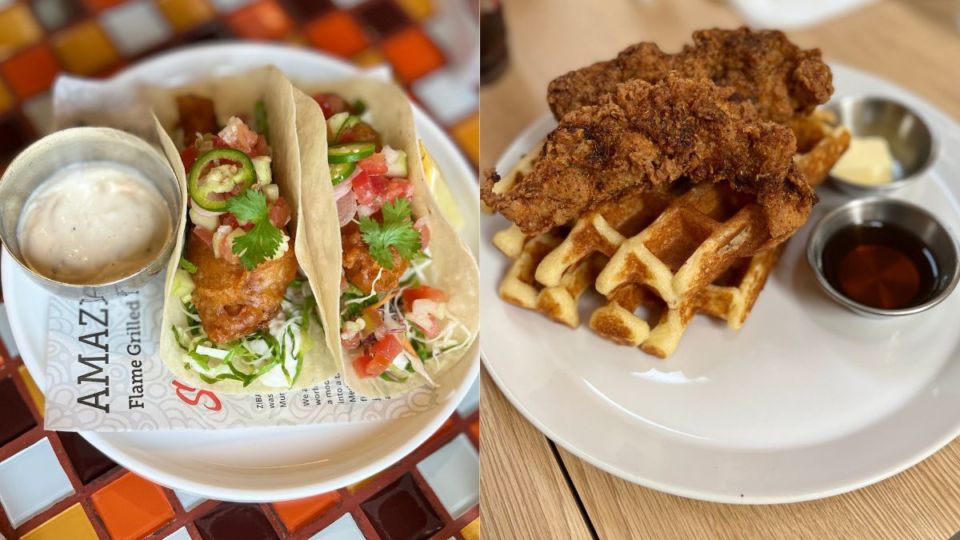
(250, 316)
(391, 322)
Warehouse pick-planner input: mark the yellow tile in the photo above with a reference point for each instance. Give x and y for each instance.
(417, 9)
(85, 49)
(361, 484)
(71, 523)
(471, 531)
(186, 14)
(32, 389)
(467, 134)
(369, 58)
(6, 99)
(17, 28)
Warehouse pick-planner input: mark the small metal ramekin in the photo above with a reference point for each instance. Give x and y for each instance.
(43, 158)
(912, 143)
(907, 216)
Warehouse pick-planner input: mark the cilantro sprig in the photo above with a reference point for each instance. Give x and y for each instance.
(396, 231)
(263, 240)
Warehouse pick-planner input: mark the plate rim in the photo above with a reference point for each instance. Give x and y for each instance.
(915, 457)
(114, 449)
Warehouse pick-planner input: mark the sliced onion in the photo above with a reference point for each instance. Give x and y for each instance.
(365, 210)
(424, 229)
(346, 208)
(341, 189)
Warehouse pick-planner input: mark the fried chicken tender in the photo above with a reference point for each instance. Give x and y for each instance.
(764, 68)
(647, 136)
(233, 302)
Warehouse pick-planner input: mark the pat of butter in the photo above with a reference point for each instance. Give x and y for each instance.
(867, 161)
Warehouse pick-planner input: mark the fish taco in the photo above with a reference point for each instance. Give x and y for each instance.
(406, 307)
(241, 311)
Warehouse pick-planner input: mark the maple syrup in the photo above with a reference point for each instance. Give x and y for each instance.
(880, 265)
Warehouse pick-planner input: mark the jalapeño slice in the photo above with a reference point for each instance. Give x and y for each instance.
(212, 194)
(351, 152)
(341, 171)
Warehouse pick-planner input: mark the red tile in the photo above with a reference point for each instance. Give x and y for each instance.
(336, 32)
(100, 5)
(262, 20)
(296, 514)
(412, 54)
(32, 71)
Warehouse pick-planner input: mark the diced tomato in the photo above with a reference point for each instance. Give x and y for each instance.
(370, 365)
(388, 346)
(424, 292)
(375, 164)
(239, 135)
(331, 104)
(421, 227)
(375, 190)
(229, 219)
(189, 155)
(279, 213)
(205, 235)
(261, 148)
(220, 143)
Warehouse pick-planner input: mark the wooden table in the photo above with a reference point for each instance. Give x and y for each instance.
(530, 487)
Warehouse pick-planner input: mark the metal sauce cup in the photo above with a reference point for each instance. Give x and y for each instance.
(911, 140)
(907, 216)
(45, 157)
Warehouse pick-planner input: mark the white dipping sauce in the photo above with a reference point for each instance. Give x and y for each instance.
(93, 223)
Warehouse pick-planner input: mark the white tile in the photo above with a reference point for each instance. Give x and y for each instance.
(344, 528)
(40, 112)
(471, 399)
(31, 481)
(179, 534)
(5, 3)
(188, 500)
(6, 335)
(50, 12)
(347, 4)
(453, 473)
(443, 32)
(447, 96)
(224, 6)
(136, 26)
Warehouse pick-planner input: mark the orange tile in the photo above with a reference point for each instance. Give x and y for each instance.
(31, 71)
(6, 101)
(440, 430)
(369, 58)
(186, 14)
(17, 29)
(412, 54)
(85, 48)
(132, 507)
(262, 20)
(336, 32)
(296, 514)
(475, 430)
(99, 5)
(417, 9)
(32, 389)
(467, 134)
(71, 523)
(471, 531)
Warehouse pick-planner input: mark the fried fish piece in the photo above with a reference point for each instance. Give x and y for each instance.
(647, 136)
(197, 116)
(233, 302)
(782, 80)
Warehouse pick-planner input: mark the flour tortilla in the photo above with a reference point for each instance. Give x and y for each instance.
(236, 95)
(453, 270)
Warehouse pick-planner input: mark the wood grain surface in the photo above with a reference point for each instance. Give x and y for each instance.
(529, 488)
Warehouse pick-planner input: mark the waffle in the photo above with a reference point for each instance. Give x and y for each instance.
(669, 256)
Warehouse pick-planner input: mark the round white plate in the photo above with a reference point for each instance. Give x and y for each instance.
(807, 400)
(263, 464)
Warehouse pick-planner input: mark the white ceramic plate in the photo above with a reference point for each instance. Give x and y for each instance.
(807, 400)
(260, 464)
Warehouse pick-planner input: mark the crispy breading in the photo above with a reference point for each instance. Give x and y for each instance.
(647, 136)
(764, 67)
(233, 302)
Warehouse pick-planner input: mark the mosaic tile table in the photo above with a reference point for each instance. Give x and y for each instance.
(56, 486)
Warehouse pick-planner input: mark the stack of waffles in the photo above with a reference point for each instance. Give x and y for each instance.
(658, 259)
